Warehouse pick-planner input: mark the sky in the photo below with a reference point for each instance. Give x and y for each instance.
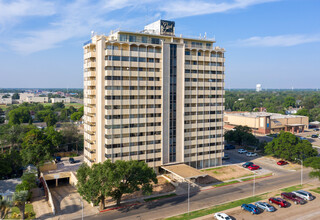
(275, 43)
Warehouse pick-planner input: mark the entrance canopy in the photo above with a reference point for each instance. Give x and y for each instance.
(183, 171)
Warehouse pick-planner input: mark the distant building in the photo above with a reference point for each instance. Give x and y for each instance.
(63, 100)
(266, 123)
(24, 96)
(258, 88)
(35, 99)
(292, 111)
(6, 101)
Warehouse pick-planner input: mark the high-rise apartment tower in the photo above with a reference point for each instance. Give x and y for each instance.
(153, 96)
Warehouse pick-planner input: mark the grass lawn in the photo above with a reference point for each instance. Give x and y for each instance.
(251, 178)
(217, 208)
(226, 183)
(316, 190)
(292, 188)
(159, 197)
(28, 209)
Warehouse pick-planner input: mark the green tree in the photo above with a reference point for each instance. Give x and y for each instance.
(289, 147)
(19, 200)
(241, 135)
(131, 176)
(57, 106)
(51, 119)
(289, 101)
(313, 162)
(16, 96)
(304, 112)
(36, 149)
(54, 137)
(20, 115)
(41, 115)
(114, 179)
(2, 120)
(4, 207)
(64, 115)
(71, 137)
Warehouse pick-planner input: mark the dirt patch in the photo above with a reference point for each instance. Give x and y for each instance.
(163, 186)
(227, 172)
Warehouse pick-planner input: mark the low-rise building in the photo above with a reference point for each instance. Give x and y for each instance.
(34, 99)
(63, 100)
(266, 123)
(6, 101)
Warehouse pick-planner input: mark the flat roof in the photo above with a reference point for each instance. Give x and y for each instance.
(262, 114)
(183, 171)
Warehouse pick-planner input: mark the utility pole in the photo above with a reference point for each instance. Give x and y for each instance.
(301, 170)
(254, 183)
(188, 197)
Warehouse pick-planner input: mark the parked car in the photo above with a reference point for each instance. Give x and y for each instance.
(225, 157)
(250, 208)
(242, 151)
(278, 201)
(253, 167)
(314, 136)
(57, 159)
(71, 160)
(229, 147)
(222, 216)
(303, 194)
(282, 162)
(245, 165)
(293, 197)
(265, 206)
(316, 129)
(303, 138)
(251, 154)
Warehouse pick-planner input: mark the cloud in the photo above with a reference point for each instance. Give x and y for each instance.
(10, 12)
(178, 9)
(278, 41)
(72, 20)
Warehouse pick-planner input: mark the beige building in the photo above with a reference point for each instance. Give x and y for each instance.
(36, 99)
(266, 123)
(64, 100)
(153, 96)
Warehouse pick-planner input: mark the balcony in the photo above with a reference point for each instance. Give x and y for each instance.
(89, 54)
(89, 65)
(90, 74)
(90, 83)
(91, 92)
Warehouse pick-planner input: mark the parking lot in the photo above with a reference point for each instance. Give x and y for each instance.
(307, 134)
(308, 211)
(267, 164)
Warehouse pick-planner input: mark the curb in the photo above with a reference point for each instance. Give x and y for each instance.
(120, 207)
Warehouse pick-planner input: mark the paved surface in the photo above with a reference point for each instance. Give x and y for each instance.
(307, 134)
(65, 166)
(178, 204)
(67, 203)
(308, 211)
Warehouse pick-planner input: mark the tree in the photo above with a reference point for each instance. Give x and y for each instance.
(93, 183)
(71, 137)
(57, 106)
(303, 112)
(19, 115)
(129, 177)
(289, 147)
(313, 162)
(289, 101)
(2, 120)
(4, 208)
(36, 149)
(51, 119)
(54, 137)
(114, 179)
(241, 135)
(28, 182)
(19, 200)
(64, 115)
(16, 96)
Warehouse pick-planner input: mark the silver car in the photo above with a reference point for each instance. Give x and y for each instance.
(265, 206)
(304, 194)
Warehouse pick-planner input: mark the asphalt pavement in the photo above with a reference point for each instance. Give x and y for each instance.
(177, 205)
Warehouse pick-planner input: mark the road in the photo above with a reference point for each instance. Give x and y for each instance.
(177, 205)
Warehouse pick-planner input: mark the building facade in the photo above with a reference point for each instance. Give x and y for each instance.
(266, 123)
(154, 97)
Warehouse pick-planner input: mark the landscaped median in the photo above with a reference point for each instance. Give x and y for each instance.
(218, 208)
(241, 180)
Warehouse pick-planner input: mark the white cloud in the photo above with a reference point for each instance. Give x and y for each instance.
(180, 8)
(10, 12)
(278, 41)
(75, 19)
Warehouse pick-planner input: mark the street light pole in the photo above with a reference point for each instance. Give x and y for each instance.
(81, 206)
(301, 170)
(254, 182)
(188, 197)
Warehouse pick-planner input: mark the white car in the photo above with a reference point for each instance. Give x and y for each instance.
(222, 216)
(303, 194)
(242, 151)
(251, 154)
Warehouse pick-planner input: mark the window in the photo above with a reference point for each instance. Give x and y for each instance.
(155, 40)
(123, 37)
(132, 38)
(187, 52)
(144, 39)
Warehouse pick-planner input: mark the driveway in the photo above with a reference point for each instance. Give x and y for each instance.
(67, 203)
(266, 164)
